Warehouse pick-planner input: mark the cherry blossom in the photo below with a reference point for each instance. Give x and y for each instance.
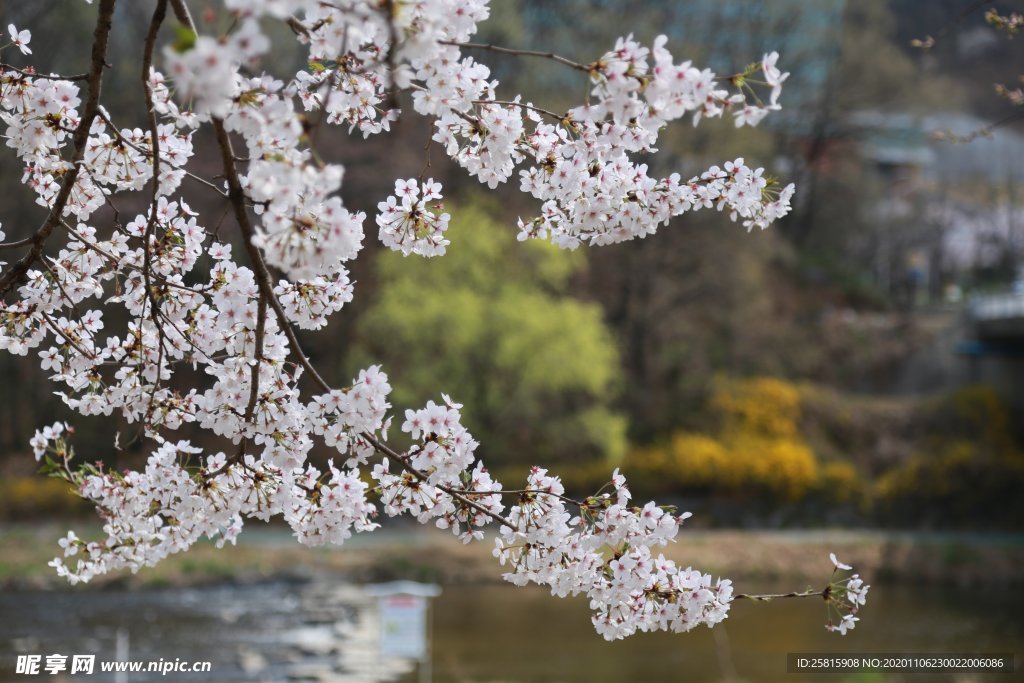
(408, 224)
(837, 563)
(844, 598)
(20, 39)
(773, 76)
(116, 308)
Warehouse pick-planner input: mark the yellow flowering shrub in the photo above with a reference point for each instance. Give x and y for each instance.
(785, 467)
(26, 497)
(959, 462)
(840, 482)
(756, 446)
(972, 469)
(763, 405)
(696, 460)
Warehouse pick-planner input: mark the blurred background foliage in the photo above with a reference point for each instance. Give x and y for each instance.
(807, 374)
(495, 324)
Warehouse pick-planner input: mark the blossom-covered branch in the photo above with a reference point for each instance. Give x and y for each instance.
(189, 302)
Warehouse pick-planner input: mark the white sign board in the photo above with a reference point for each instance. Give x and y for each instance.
(403, 618)
(403, 626)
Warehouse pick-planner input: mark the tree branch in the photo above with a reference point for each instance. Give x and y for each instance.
(182, 13)
(147, 62)
(16, 273)
(766, 597)
(587, 68)
(43, 77)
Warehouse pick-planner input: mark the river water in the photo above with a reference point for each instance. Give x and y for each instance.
(326, 631)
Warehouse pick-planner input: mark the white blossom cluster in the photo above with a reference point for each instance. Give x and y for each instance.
(407, 223)
(40, 116)
(602, 549)
(606, 552)
(845, 597)
(434, 468)
(204, 332)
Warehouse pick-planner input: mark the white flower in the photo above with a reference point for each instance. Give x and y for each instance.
(856, 591)
(772, 75)
(408, 224)
(837, 563)
(750, 115)
(847, 623)
(21, 39)
(69, 543)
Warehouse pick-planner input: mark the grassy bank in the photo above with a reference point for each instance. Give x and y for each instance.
(794, 557)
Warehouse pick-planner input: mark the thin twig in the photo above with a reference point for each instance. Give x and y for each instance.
(56, 329)
(403, 460)
(182, 13)
(16, 245)
(523, 105)
(765, 597)
(522, 492)
(43, 77)
(147, 61)
(983, 132)
(527, 53)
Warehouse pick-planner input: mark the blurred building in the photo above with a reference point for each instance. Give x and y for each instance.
(957, 186)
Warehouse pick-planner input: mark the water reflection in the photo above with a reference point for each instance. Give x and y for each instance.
(323, 631)
(493, 633)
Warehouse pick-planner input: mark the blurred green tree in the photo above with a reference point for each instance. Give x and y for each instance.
(495, 324)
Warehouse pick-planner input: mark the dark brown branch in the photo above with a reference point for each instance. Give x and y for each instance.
(147, 62)
(521, 492)
(43, 77)
(458, 495)
(236, 195)
(522, 105)
(206, 182)
(390, 9)
(59, 332)
(16, 245)
(254, 377)
(16, 273)
(771, 596)
(526, 53)
(300, 29)
(983, 132)
(117, 134)
(182, 14)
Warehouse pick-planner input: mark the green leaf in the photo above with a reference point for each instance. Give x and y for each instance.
(185, 39)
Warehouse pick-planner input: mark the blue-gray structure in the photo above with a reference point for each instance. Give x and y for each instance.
(904, 139)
